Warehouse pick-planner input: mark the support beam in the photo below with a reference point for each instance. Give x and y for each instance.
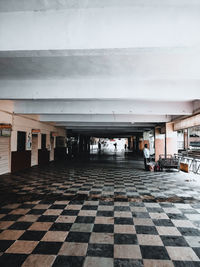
(96, 88)
(187, 123)
(107, 118)
(104, 107)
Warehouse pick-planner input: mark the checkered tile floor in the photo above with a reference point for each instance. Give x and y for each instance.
(93, 215)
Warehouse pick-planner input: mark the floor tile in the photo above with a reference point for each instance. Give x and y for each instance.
(55, 236)
(11, 234)
(140, 229)
(154, 252)
(40, 226)
(73, 249)
(98, 262)
(125, 239)
(127, 252)
(124, 229)
(103, 228)
(182, 254)
(168, 230)
(104, 220)
(82, 227)
(68, 261)
(149, 240)
(173, 241)
(158, 263)
(5, 244)
(39, 260)
(127, 263)
(78, 237)
(100, 250)
(12, 260)
(50, 248)
(32, 235)
(22, 247)
(102, 238)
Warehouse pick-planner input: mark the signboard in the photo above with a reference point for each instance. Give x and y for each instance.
(5, 126)
(54, 134)
(35, 131)
(5, 132)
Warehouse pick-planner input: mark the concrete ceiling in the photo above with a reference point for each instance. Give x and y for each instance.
(101, 67)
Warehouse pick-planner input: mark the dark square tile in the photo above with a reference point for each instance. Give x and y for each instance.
(106, 203)
(127, 263)
(5, 244)
(174, 241)
(127, 221)
(141, 215)
(68, 261)
(154, 252)
(26, 206)
(186, 264)
(89, 207)
(189, 231)
(11, 217)
(157, 210)
(32, 235)
(36, 211)
(100, 250)
(78, 237)
(5, 211)
(121, 208)
(12, 260)
(60, 227)
(105, 213)
(85, 219)
(163, 222)
(50, 248)
(57, 207)
(70, 212)
(47, 218)
(20, 225)
(125, 239)
(103, 228)
(197, 251)
(151, 230)
(176, 216)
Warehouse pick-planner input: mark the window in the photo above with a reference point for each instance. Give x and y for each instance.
(43, 141)
(21, 141)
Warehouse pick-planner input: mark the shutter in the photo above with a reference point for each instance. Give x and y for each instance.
(4, 154)
(34, 152)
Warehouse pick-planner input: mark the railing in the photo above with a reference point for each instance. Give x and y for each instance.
(193, 163)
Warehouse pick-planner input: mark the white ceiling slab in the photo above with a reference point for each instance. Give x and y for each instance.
(104, 107)
(96, 28)
(42, 5)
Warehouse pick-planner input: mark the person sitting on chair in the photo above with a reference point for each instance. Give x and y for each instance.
(146, 153)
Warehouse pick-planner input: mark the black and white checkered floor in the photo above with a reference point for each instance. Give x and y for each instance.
(100, 215)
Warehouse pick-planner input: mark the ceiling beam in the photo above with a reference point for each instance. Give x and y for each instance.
(107, 118)
(104, 107)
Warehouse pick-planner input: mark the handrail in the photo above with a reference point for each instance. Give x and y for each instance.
(193, 163)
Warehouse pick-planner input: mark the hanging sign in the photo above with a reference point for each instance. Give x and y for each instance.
(5, 126)
(54, 134)
(35, 131)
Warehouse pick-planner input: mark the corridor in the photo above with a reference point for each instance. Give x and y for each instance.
(103, 212)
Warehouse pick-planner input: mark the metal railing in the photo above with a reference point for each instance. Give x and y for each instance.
(193, 163)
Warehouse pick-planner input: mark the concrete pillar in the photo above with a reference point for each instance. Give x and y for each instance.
(171, 139)
(81, 148)
(186, 139)
(14, 140)
(159, 143)
(146, 139)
